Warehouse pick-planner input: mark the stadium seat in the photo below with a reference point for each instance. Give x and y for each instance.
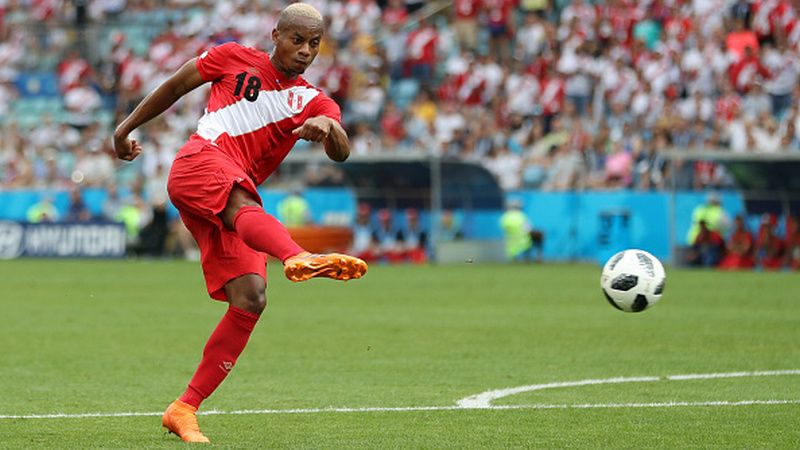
(403, 91)
(38, 105)
(104, 117)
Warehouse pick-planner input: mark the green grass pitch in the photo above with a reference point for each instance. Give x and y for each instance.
(112, 337)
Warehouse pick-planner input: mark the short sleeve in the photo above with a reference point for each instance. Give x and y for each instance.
(212, 63)
(325, 106)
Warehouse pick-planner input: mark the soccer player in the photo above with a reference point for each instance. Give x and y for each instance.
(258, 108)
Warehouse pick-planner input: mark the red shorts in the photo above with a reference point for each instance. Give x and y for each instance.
(200, 182)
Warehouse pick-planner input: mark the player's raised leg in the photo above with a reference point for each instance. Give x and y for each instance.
(264, 233)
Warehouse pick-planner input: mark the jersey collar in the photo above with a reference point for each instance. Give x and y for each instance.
(279, 76)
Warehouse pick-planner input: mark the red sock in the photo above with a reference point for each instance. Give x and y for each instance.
(262, 232)
(222, 349)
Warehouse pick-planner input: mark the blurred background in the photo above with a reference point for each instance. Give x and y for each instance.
(481, 130)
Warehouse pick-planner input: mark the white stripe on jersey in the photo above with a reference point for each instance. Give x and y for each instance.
(244, 116)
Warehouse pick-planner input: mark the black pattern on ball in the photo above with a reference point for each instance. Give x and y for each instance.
(624, 282)
(660, 288)
(611, 300)
(639, 304)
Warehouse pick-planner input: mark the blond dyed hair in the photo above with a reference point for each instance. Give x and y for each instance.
(296, 12)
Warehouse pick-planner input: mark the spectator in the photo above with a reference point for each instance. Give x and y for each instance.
(112, 203)
(521, 240)
(756, 102)
(81, 102)
(336, 80)
(394, 49)
(421, 55)
(712, 214)
(739, 248)
(618, 167)
(450, 228)
(43, 211)
(153, 235)
(77, 210)
(392, 125)
(505, 166)
(363, 140)
(293, 210)
(73, 71)
(366, 103)
(395, 13)
(135, 215)
(769, 246)
(792, 243)
(766, 136)
(748, 70)
(707, 248)
(365, 243)
(501, 27)
(784, 68)
(465, 23)
(386, 237)
(413, 238)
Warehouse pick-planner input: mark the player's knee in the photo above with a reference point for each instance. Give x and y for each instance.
(247, 292)
(252, 300)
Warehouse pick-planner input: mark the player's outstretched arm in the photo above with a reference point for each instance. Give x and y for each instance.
(337, 145)
(165, 95)
(330, 133)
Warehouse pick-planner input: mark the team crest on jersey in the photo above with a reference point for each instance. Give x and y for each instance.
(295, 101)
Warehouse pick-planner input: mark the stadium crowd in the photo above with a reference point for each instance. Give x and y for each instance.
(555, 95)
(546, 94)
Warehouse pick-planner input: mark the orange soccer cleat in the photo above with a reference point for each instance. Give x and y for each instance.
(181, 418)
(305, 266)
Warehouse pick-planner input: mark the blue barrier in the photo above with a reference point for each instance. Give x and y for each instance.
(594, 225)
(577, 226)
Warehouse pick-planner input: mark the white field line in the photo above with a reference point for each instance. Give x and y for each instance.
(485, 399)
(706, 376)
(482, 400)
(410, 408)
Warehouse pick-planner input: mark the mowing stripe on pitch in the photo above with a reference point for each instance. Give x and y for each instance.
(409, 408)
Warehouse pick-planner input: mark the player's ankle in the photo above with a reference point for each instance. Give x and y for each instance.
(301, 254)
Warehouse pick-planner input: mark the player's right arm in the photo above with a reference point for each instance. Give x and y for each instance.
(186, 79)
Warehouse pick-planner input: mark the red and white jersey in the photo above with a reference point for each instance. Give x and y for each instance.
(552, 96)
(71, 71)
(253, 108)
(466, 9)
(421, 45)
(728, 107)
(762, 12)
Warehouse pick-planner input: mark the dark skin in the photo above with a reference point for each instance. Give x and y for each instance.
(296, 45)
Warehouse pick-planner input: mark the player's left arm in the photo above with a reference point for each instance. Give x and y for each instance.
(324, 125)
(329, 132)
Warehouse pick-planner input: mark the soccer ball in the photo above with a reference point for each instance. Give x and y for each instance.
(633, 280)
